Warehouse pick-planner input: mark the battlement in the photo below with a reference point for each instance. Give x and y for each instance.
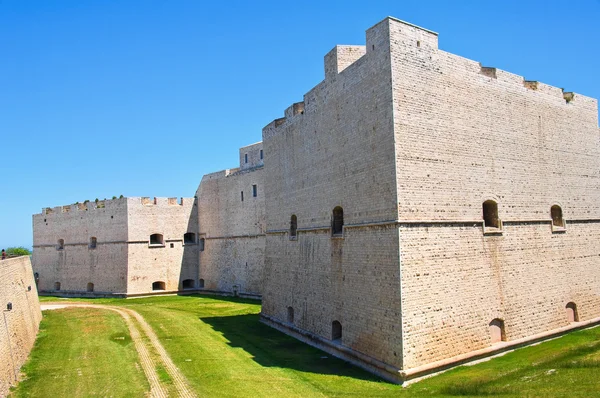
(340, 57)
(412, 41)
(155, 201)
(115, 203)
(85, 206)
(507, 79)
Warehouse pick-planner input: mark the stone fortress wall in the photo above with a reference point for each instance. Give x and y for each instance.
(413, 144)
(174, 261)
(231, 220)
(63, 257)
(335, 149)
(105, 247)
(21, 317)
(466, 134)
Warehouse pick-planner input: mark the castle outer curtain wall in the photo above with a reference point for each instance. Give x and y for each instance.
(172, 260)
(64, 258)
(231, 221)
(108, 247)
(21, 317)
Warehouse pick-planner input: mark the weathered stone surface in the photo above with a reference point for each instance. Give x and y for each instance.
(123, 261)
(232, 224)
(410, 141)
(21, 317)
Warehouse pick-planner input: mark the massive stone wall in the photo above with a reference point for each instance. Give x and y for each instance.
(231, 211)
(466, 134)
(411, 141)
(105, 247)
(337, 149)
(172, 261)
(78, 263)
(21, 317)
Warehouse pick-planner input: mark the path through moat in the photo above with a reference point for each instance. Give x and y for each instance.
(145, 341)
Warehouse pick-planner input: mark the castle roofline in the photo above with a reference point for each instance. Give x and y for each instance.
(406, 23)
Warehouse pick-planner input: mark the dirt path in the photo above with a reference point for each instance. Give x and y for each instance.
(149, 364)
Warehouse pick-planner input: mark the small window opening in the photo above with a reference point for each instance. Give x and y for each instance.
(90, 287)
(336, 331)
(246, 158)
(156, 239)
(159, 285)
(201, 283)
(290, 314)
(337, 222)
(572, 315)
(188, 284)
(557, 217)
(293, 226)
(418, 43)
(254, 191)
(202, 242)
(93, 242)
(9, 307)
(61, 244)
(242, 195)
(497, 333)
(490, 214)
(189, 238)
(171, 245)
(57, 286)
(261, 154)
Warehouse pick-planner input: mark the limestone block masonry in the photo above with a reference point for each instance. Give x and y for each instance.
(231, 211)
(423, 209)
(21, 317)
(126, 246)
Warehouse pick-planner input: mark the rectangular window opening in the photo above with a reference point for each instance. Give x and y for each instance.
(246, 158)
(254, 191)
(242, 194)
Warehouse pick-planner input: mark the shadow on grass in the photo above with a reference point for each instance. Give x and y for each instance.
(271, 348)
(231, 299)
(571, 358)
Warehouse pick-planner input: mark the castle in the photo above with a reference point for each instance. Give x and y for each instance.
(414, 211)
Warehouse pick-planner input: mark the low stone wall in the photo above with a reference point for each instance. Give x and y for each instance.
(20, 318)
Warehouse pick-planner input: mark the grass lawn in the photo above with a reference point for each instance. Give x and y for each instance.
(224, 351)
(80, 353)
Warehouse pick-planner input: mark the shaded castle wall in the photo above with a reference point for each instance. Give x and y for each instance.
(21, 317)
(465, 134)
(171, 262)
(233, 229)
(78, 264)
(337, 149)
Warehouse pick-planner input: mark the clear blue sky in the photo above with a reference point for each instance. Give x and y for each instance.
(141, 98)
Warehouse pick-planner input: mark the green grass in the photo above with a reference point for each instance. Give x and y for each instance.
(224, 351)
(82, 352)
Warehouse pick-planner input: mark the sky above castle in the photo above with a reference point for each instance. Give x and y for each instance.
(141, 98)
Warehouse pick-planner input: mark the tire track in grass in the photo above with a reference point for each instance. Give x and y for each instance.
(180, 382)
(149, 365)
(156, 386)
